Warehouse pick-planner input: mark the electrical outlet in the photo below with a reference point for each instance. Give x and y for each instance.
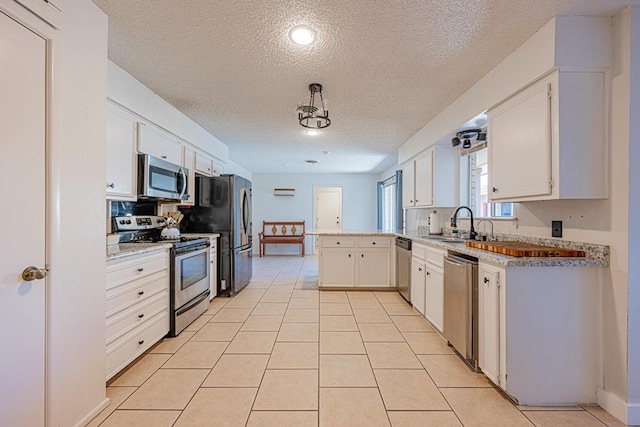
(556, 228)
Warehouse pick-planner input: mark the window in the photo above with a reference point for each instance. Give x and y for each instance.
(475, 178)
(389, 205)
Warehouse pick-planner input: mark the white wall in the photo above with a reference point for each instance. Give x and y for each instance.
(359, 200)
(76, 293)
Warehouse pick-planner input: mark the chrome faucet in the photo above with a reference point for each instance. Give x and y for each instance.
(454, 219)
(490, 222)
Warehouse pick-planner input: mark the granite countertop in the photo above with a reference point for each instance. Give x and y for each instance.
(597, 255)
(123, 250)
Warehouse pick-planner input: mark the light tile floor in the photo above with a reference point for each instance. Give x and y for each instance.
(283, 353)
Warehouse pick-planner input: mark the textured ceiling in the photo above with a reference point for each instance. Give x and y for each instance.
(387, 67)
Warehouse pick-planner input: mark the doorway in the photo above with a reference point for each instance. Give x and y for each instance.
(328, 209)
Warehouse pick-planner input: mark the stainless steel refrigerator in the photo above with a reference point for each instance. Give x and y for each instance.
(223, 205)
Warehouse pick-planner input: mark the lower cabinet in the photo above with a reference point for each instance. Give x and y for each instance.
(365, 262)
(427, 283)
(536, 332)
(137, 307)
(418, 285)
(489, 321)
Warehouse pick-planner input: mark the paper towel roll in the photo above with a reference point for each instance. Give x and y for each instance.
(434, 223)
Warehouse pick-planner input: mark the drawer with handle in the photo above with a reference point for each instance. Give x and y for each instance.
(133, 292)
(125, 270)
(337, 242)
(374, 242)
(124, 351)
(123, 321)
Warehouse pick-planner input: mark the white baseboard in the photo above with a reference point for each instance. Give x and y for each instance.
(625, 412)
(91, 415)
(634, 415)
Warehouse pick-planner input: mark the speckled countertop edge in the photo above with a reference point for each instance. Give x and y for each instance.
(597, 255)
(124, 250)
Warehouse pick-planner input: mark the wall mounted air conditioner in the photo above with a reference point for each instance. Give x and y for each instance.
(284, 191)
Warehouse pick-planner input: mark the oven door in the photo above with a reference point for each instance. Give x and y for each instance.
(191, 276)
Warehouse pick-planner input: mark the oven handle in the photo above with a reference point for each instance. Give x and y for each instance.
(191, 253)
(197, 300)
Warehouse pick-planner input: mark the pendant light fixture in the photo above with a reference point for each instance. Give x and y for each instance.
(314, 115)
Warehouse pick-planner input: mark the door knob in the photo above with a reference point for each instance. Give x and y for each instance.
(33, 273)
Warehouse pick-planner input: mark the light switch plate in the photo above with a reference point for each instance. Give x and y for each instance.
(556, 228)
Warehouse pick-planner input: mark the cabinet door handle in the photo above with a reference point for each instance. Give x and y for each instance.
(362, 255)
(494, 189)
(337, 243)
(140, 270)
(111, 185)
(164, 157)
(141, 342)
(374, 243)
(419, 269)
(349, 255)
(428, 273)
(141, 293)
(486, 280)
(140, 316)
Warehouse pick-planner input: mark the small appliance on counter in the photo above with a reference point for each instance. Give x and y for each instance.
(189, 266)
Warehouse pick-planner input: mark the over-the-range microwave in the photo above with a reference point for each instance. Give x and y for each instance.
(159, 179)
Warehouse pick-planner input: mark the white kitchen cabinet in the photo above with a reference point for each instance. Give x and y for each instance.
(549, 140)
(418, 284)
(434, 295)
(489, 321)
(431, 179)
(427, 283)
(137, 307)
(158, 143)
(337, 267)
(122, 160)
(374, 267)
(205, 165)
(350, 261)
(541, 320)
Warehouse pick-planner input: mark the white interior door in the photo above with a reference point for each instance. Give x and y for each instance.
(23, 63)
(328, 208)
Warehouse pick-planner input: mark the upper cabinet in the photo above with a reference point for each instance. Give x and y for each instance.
(431, 179)
(121, 154)
(205, 165)
(160, 144)
(548, 141)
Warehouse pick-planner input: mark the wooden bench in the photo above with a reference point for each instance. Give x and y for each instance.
(282, 233)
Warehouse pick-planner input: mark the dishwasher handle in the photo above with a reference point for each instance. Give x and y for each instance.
(460, 262)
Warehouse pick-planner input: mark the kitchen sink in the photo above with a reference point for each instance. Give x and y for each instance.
(448, 239)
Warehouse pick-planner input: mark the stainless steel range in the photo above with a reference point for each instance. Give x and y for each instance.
(189, 293)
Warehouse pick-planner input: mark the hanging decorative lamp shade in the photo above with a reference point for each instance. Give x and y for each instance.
(314, 115)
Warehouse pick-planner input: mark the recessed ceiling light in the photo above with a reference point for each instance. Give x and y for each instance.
(312, 132)
(302, 35)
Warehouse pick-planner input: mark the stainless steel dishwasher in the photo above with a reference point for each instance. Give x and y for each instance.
(403, 267)
(461, 305)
